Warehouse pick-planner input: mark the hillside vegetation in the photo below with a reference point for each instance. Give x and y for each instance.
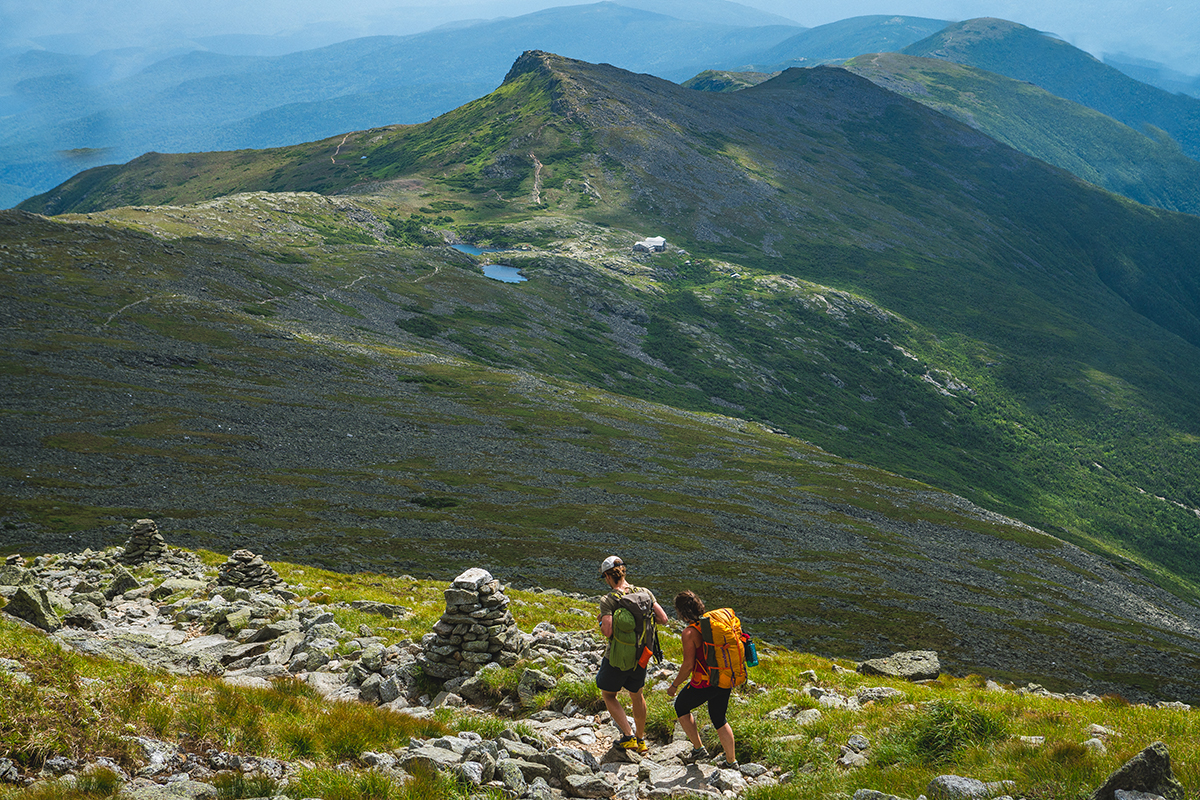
(860, 273)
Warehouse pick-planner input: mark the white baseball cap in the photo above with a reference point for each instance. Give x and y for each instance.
(609, 563)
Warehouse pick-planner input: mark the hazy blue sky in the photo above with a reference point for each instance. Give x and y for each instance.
(1162, 30)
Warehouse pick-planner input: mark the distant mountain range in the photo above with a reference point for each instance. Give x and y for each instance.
(1155, 74)
(1091, 145)
(1015, 51)
(845, 39)
(64, 113)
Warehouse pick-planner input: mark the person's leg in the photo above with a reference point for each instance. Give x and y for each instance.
(725, 734)
(617, 712)
(638, 701)
(718, 707)
(688, 723)
(687, 700)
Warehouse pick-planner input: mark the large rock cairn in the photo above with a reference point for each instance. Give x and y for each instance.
(145, 543)
(476, 629)
(247, 571)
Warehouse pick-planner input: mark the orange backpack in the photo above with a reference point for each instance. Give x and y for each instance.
(724, 650)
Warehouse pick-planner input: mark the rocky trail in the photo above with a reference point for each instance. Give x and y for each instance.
(246, 626)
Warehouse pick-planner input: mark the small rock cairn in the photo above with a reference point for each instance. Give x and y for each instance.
(247, 571)
(476, 629)
(145, 543)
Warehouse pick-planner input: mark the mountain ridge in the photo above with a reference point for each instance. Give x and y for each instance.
(857, 271)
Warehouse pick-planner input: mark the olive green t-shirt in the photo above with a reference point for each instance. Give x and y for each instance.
(608, 603)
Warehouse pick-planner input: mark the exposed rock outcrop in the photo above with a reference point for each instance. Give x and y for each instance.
(916, 665)
(1148, 772)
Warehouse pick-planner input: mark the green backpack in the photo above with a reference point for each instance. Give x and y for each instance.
(632, 626)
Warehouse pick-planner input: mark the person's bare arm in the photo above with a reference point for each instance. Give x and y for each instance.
(691, 640)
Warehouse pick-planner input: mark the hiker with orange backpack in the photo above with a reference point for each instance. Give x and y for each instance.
(628, 619)
(713, 663)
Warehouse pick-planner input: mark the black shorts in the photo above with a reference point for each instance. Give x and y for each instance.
(611, 679)
(716, 697)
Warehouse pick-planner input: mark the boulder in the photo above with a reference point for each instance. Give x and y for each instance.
(916, 665)
(532, 682)
(694, 779)
(561, 764)
(595, 786)
(84, 615)
(876, 693)
(509, 772)
(176, 790)
(32, 604)
(1149, 771)
(388, 610)
(872, 794)
(13, 575)
(176, 586)
(122, 582)
(956, 787)
(435, 759)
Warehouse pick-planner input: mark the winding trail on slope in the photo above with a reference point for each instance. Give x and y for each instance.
(537, 180)
(333, 158)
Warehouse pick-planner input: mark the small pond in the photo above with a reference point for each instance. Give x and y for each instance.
(472, 250)
(500, 272)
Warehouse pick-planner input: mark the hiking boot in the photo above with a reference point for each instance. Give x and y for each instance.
(629, 742)
(642, 747)
(696, 754)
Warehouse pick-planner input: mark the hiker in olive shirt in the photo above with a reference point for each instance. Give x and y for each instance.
(611, 680)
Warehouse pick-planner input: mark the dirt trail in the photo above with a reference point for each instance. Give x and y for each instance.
(333, 158)
(537, 180)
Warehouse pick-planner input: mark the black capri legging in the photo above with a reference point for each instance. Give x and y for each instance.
(717, 699)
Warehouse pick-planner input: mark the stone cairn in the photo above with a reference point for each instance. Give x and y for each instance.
(145, 543)
(247, 571)
(476, 629)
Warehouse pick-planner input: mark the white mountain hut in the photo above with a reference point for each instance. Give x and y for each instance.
(654, 244)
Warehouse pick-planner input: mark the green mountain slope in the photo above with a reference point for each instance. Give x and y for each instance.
(837, 41)
(1018, 52)
(714, 80)
(1084, 142)
(861, 272)
(277, 371)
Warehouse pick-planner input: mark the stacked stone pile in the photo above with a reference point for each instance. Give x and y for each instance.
(145, 543)
(476, 629)
(247, 571)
